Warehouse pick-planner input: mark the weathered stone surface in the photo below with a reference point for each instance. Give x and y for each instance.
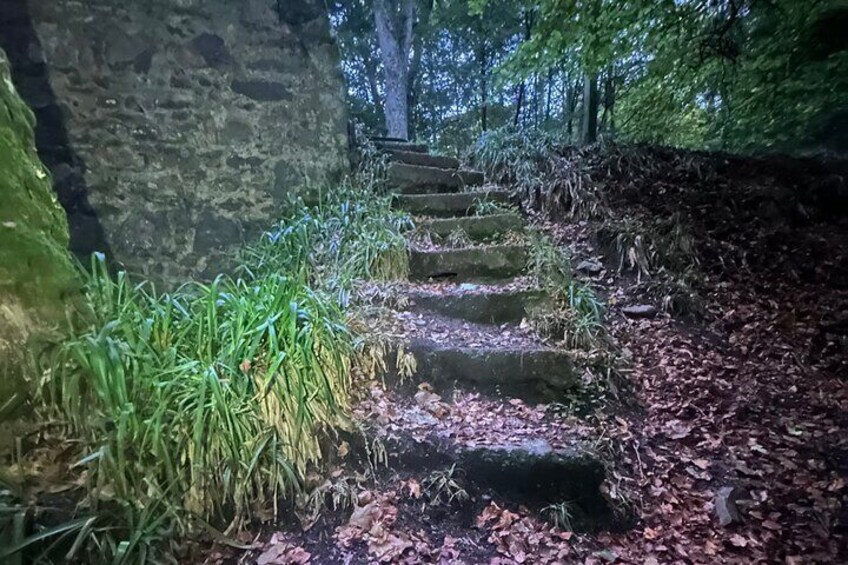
(447, 205)
(415, 179)
(391, 145)
(300, 12)
(37, 277)
(640, 311)
(141, 107)
(476, 227)
(262, 90)
(494, 262)
(539, 374)
(590, 267)
(424, 159)
(212, 48)
(531, 470)
(725, 506)
(485, 307)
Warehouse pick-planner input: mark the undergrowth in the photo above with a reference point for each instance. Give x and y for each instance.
(663, 258)
(202, 409)
(574, 313)
(530, 162)
(514, 156)
(603, 184)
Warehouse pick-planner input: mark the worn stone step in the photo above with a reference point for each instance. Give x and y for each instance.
(402, 146)
(475, 227)
(415, 179)
(490, 262)
(493, 449)
(384, 138)
(424, 159)
(530, 373)
(482, 306)
(490, 447)
(448, 204)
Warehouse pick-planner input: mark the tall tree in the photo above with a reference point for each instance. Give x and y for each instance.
(394, 22)
(589, 133)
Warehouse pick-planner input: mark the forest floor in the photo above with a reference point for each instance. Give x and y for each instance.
(743, 406)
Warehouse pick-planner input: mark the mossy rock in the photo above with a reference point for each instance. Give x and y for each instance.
(37, 275)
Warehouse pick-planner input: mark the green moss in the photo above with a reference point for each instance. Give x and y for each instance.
(37, 275)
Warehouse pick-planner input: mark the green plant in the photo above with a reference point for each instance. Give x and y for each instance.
(352, 234)
(458, 238)
(514, 156)
(575, 316)
(576, 312)
(442, 487)
(560, 515)
(484, 206)
(203, 404)
(204, 407)
(549, 265)
(337, 495)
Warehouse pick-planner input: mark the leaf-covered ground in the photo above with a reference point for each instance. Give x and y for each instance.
(744, 407)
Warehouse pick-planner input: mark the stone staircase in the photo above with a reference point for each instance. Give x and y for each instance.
(462, 322)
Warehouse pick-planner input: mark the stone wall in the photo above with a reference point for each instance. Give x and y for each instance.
(177, 129)
(37, 277)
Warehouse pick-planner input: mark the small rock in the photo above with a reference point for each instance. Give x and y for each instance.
(468, 287)
(640, 311)
(537, 447)
(725, 505)
(590, 267)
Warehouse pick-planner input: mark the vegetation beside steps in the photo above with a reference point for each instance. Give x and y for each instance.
(194, 413)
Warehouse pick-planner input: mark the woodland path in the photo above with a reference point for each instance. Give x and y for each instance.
(461, 316)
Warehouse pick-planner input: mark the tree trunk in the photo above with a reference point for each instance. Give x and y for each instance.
(568, 108)
(528, 28)
(419, 30)
(393, 22)
(608, 124)
(518, 102)
(484, 86)
(571, 97)
(590, 108)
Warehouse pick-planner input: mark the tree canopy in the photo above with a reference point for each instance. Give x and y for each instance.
(740, 75)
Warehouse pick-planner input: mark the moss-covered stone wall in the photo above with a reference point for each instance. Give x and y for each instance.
(37, 276)
(178, 129)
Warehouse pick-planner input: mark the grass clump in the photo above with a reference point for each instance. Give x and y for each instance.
(514, 156)
(208, 403)
(560, 515)
(204, 408)
(442, 487)
(575, 314)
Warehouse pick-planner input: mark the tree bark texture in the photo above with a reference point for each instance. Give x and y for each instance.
(394, 24)
(590, 108)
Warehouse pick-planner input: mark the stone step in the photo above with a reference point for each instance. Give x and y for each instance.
(448, 204)
(480, 305)
(402, 146)
(476, 227)
(415, 179)
(536, 374)
(384, 138)
(490, 262)
(424, 159)
(497, 448)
